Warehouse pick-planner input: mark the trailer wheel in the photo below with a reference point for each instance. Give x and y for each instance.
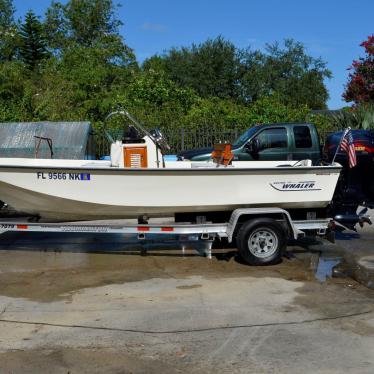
(261, 241)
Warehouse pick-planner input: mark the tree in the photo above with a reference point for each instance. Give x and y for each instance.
(155, 100)
(91, 20)
(33, 46)
(87, 24)
(209, 68)
(80, 84)
(6, 13)
(288, 71)
(360, 86)
(8, 31)
(216, 68)
(154, 90)
(91, 61)
(88, 64)
(55, 27)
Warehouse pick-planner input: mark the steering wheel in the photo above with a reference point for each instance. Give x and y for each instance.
(160, 139)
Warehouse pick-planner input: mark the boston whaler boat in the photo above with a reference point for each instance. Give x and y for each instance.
(138, 182)
(257, 204)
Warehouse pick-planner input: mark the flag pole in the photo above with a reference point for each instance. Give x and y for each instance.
(340, 142)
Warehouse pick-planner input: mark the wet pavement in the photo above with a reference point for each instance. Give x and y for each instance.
(91, 303)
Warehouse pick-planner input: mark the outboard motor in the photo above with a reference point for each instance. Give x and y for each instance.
(356, 186)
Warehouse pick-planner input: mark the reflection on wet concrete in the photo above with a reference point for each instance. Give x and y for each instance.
(358, 255)
(325, 267)
(54, 264)
(48, 267)
(362, 269)
(346, 235)
(101, 243)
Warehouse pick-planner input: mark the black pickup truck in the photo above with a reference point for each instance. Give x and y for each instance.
(297, 141)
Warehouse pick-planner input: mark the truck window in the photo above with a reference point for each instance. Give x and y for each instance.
(273, 138)
(303, 138)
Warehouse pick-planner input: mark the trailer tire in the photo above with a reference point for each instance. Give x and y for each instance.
(261, 241)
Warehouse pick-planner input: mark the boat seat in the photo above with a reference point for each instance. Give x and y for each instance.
(301, 163)
(304, 163)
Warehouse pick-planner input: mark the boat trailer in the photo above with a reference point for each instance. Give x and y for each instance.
(261, 234)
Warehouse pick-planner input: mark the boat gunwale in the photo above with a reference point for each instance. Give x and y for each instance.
(199, 170)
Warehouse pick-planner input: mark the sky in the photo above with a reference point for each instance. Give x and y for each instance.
(330, 29)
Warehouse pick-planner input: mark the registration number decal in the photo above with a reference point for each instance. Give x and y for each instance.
(6, 226)
(63, 176)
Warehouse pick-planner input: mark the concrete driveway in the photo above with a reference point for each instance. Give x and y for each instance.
(91, 304)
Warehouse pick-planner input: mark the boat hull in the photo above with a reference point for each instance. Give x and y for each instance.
(73, 194)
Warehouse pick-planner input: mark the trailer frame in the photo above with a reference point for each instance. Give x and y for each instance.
(206, 231)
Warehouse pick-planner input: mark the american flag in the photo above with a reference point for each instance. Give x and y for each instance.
(348, 146)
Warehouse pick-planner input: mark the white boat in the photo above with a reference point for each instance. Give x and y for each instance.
(137, 182)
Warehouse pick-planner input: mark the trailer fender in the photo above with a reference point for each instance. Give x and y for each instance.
(238, 215)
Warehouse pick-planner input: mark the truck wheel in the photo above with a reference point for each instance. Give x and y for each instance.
(261, 241)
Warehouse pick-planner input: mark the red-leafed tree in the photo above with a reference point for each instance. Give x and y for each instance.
(360, 86)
